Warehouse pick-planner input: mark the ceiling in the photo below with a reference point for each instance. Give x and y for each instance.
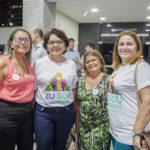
(112, 10)
(10, 13)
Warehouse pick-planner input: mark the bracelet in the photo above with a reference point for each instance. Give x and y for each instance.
(138, 134)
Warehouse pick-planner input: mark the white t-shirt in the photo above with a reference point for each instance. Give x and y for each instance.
(54, 82)
(122, 102)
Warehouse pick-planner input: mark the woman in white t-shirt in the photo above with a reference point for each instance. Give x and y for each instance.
(127, 122)
(56, 79)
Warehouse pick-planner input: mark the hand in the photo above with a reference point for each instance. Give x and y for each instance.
(144, 145)
(137, 142)
(76, 60)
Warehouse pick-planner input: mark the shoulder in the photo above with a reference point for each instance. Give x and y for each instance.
(41, 60)
(143, 67)
(82, 79)
(3, 65)
(143, 63)
(3, 61)
(70, 61)
(106, 75)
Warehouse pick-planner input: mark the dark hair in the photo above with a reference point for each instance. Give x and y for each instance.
(71, 39)
(90, 44)
(39, 31)
(59, 33)
(28, 54)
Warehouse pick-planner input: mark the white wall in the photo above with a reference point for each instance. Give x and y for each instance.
(68, 25)
(4, 34)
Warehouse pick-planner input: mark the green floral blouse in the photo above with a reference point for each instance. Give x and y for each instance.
(94, 123)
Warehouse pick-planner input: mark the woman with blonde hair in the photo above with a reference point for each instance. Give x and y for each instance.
(127, 122)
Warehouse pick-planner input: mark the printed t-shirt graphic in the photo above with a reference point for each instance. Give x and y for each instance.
(57, 90)
(113, 95)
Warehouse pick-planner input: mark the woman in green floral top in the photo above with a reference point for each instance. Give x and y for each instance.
(94, 122)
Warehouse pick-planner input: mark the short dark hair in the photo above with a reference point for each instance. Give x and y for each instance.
(70, 39)
(90, 44)
(59, 33)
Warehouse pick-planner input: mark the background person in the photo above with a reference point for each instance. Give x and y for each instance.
(73, 54)
(16, 93)
(56, 83)
(126, 121)
(89, 47)
(37, 39)
(94, 130)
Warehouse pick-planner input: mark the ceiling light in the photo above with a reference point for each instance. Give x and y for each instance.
(102, 18)
(108, 25)
(85, 13)
(94, 10)
(147, 25)
(113, 30)
(148, 7)
(148, 17)
(147, 30)
(10, 23)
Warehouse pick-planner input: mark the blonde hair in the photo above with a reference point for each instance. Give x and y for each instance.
(96, 54)
(116, 58)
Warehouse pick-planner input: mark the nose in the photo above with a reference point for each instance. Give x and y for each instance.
(55, 43)
(22, 41)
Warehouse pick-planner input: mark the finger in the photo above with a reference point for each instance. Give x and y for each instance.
(137, 148)
(143, 144)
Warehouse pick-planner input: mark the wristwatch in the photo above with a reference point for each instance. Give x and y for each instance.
(137, 134)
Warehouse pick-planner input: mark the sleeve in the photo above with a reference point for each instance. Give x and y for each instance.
(143, 75)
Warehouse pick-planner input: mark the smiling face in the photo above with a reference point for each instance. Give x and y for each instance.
(21, 43)
(92, 64)
(55, 45)
(127, 48)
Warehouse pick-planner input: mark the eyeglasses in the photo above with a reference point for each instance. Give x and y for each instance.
(22, 39)
(58, 42)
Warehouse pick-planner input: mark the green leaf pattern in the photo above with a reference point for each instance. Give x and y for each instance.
(94, 122)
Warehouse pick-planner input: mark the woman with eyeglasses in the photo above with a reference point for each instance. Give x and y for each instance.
(56, 79)
(16, 93)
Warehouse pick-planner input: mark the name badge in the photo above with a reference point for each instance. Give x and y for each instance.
(95, 91)
(15, 77)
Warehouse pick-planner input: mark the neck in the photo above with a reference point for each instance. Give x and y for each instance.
(57, 59)
(94, 74)
(37, 42)
(19, 57)
(124, 62)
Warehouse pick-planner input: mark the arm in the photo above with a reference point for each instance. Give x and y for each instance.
(79, 62)
(143, 115)
(77, 120)
(77, 109)
(3, 68)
